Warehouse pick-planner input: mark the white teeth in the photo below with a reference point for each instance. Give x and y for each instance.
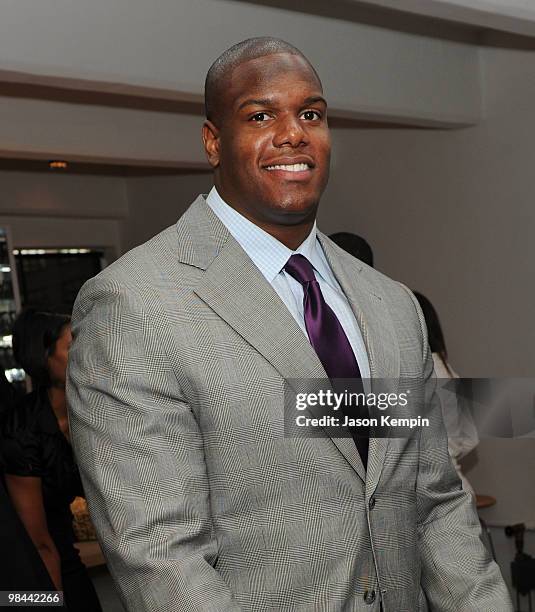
(289, 167)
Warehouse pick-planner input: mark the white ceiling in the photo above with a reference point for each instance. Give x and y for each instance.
(514, 16)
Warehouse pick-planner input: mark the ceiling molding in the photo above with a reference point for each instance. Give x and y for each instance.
(19, 161)
(452, 20)
(122, 95)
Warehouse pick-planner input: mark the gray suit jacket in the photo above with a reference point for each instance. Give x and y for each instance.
(200, 501)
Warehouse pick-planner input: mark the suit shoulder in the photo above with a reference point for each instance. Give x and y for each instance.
(140, 265)
(404, 310)
(397, 296)
(148, 263)
(135, 275)
(383, 284)
(391, 289)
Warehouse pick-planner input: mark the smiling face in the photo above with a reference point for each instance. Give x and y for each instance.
(271, 150)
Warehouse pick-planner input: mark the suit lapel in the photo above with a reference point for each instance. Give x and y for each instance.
(236, 290)
(378, 333)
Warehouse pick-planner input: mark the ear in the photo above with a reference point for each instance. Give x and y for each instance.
(210, 138)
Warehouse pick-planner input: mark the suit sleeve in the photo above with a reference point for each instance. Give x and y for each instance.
(140, 453)
(458, 573)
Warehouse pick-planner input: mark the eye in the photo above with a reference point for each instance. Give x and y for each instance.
(311, 115)
(259, 117)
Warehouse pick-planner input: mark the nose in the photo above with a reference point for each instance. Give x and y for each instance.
(290, 132)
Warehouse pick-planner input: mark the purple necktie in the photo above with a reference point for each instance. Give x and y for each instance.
(326, 335)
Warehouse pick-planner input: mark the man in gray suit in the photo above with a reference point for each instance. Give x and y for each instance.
(176, 388)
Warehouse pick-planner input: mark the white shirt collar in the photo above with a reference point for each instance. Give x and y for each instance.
(267, 253)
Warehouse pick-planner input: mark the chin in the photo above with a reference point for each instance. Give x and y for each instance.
(292, 210)
(298, 203)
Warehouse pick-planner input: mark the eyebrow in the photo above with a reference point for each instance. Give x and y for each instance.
(314, 99)
(255, 102)
(269, 101)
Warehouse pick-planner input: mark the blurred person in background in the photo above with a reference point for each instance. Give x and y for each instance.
(40, 473)
(25, 570)
(462, 432)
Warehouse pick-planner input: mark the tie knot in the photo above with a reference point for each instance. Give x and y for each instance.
(300, 268)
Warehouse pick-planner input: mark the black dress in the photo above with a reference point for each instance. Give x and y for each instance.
(25, 570)
(33, 445)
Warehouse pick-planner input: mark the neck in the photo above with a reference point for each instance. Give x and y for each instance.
(58, 401)
(275, 223)
(290, 228)
(291, 236)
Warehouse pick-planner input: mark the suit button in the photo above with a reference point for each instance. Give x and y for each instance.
(371, 505)
(369, 596)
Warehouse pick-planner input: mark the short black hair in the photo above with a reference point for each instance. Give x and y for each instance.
(35, 334)
(355, 245)
(220, 71)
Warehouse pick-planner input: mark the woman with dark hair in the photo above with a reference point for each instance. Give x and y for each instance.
(460, 427)
(40, 473)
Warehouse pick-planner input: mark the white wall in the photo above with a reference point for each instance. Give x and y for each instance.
(51, 129)
(157, 202)
(56, 194)
(61, 232)
(55, 210)
(451, 214)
